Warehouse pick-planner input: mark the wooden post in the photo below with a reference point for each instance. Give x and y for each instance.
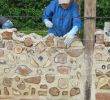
(89, 30)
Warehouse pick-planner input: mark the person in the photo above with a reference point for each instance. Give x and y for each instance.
(63, 20)
(5, 23)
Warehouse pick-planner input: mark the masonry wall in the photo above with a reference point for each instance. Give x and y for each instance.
(40, 68)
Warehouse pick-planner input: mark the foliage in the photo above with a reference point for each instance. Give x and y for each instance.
(31, 12)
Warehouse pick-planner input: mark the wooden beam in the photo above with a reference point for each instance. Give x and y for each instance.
(89, 30)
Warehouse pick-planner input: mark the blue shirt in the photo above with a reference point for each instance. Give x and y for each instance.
(63, 19)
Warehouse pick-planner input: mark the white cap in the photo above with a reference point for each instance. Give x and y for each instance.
(63, 1)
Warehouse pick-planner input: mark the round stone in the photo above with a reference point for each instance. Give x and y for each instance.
(54, 91)
(28, 42)
(18, 49)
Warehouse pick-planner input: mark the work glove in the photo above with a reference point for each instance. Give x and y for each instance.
(48, 23)
(69, 37)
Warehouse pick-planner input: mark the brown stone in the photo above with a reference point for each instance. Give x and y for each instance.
(100, 38)
(28, 42)
(17, 78)
(42, 93)
(74, 91)
(63, 69)
(7, 82)
(34, 80)
(21, 86)
(61, 58)
(107, 44)
(50, 41)
(33, 91)
(23, 70)
(54, 91)
(61, 44)
(74, 52)
(65, 93)
(18, 49)
(43, 86)
(50, 78)
(63, 83)
(6, 92)
(102, 96)
(7, 35)
(1, 52)
(40, 47)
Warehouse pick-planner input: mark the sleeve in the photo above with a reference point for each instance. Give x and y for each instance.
(49, 10)
(76, 17)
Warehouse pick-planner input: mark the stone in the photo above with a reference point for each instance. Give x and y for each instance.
(16, 92)
(63, 83)
(98, 73)
(103, 80)
(49, 41)
(7, 35)
(21, 86)
(2, 44)
(100, 38)
(65, 93)
(40, 47)
(33, 91)
(74, 52)
(102, 96)
(108, 66)
(39, 72)
(7, 82)
(33, 80)
(42, 93)
(34, 63)
(6, 70)
(54, 91)
(23, 70)
(107, 44)
(43, 86)
(1, 52)
(61, 44)
(2, 61)
(74, 91)
(26, 93)
(61, 58)
(28, 42)
(108, 73)
(105, 87)
(17, 78)
(98, 57)
(50, 78)
(18, 49)
(63, 69)
(6, 92)
(9, 45)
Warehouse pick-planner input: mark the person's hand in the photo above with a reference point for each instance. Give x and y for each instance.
(48, 23)
(69, 37)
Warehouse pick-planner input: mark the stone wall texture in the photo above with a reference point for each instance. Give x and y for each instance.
(40, 68)
(43, 68)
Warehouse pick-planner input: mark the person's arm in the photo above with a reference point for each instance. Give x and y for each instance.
(76, 27)
(48, 13)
